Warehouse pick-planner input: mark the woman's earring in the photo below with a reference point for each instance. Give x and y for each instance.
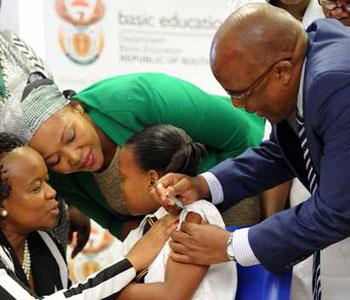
(4, 213)
(81, 111)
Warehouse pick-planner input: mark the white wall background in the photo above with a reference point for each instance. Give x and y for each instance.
(9, 15)
(25, 17)
(31, 24)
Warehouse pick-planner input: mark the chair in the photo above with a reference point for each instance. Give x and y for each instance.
(257, 283)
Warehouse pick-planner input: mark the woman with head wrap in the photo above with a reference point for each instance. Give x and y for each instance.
(81, 138)
(17, 62)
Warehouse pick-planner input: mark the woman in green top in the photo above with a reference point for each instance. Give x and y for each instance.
(80, 140)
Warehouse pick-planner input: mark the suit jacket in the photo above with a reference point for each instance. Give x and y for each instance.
(292, 235)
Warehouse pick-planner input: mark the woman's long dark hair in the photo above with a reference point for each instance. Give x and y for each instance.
(166, 148)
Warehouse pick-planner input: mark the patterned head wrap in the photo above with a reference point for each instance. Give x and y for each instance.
(17, 62)
(28, 108)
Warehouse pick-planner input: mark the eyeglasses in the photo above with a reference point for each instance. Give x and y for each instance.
(330, 5)
(241, 96)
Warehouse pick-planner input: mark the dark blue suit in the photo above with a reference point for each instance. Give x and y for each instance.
(290, 236)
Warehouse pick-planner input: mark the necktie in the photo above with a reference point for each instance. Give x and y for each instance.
(140, 276)
(312, 179)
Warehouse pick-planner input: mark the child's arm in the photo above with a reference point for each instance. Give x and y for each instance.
(181, 280)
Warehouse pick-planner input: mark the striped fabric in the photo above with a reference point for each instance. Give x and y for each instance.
(214, 187)
(140, 276)
(312, 179)
(311, 174)
(102, 285)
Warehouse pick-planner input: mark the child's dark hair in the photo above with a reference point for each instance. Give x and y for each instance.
(8, 143)
(166, 148)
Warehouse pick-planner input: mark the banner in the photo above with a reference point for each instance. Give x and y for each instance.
(88, 40)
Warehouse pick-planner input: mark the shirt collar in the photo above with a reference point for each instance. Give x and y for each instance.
(301, 89)
(161, 212)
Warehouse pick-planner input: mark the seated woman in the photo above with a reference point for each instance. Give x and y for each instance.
(32, 262)
(143, 159)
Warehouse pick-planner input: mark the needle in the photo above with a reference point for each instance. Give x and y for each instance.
(167, 194)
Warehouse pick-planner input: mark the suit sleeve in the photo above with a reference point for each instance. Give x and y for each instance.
(252, 172)
(289, 237)
(102, 285)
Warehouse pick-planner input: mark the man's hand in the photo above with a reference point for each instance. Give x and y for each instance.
(148, 247)
(80, 224)
(187, 189)
(199, 244)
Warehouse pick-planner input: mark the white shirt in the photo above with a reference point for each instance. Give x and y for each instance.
(220, 281)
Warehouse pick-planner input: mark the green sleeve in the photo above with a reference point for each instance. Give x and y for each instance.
(212, 120)
(68, 188)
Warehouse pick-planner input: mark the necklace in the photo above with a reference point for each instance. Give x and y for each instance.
(26, 266)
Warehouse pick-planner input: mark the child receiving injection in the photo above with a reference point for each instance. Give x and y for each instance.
(145, 157)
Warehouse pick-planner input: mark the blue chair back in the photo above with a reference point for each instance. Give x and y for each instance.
(257, 283)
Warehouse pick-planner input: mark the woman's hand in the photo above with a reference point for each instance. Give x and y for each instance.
(147, 248)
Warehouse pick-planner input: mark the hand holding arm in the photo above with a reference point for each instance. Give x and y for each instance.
(199, 244)
(181, 281)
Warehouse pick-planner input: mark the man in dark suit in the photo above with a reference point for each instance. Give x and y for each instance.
(301, 83)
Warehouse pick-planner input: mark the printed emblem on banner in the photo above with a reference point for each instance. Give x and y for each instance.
(80, 37)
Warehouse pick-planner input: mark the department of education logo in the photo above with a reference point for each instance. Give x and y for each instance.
(80, 37)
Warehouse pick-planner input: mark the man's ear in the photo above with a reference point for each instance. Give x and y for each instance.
(284, 71)
(152, 178)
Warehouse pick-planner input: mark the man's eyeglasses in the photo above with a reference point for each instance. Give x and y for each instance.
(240, 96)
(330, 5)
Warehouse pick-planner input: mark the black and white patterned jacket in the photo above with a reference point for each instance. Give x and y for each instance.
(50, 273)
